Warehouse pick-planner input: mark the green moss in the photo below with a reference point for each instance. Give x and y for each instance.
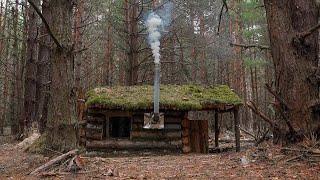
(185, 97)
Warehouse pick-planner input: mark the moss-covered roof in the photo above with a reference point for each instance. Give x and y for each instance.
(174, 97)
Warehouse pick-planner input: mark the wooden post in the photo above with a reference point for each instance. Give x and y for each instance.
(216, 128)
(236, 128)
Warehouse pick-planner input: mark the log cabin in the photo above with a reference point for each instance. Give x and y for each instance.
(115, 117)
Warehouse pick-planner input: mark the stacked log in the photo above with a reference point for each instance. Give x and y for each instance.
(95, 127)
(186, 135)
(126, 144)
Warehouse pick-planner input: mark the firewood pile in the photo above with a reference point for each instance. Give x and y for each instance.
(302, 154)
(64, 164)
(283, 156)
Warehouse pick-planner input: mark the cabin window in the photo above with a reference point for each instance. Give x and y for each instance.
(120, 127)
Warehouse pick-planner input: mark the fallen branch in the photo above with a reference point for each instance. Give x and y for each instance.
(281, 100)
(256, 110)
(282, 110)
(247, 46)
(247, 132)
(54, 161)
(294, 158)
(317, 152)
(53, 174)
(262, 138)
(258, 140)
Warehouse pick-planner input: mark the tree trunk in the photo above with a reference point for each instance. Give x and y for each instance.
(77, 38)
(203, 74)
(31, 68)
(14, 102)
(61, 132)
(43, 70)
(294, 60)
(2, 111)
(107, 71)
(132, 7)
(5, 57)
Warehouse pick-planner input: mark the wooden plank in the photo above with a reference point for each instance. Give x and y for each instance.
(136, 145)
(205, 136)
(199, 137)
(196, 136)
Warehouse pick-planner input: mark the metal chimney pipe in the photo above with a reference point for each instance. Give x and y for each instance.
(156, 92)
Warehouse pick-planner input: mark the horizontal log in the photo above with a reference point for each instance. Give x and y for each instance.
(111, 114)
(138, 119)
(172, 120)
(167, 128)
(136, 127)
(156, 134)
(185, 141)
(168, 119)
(94, 136)
(82, 123)
(132, 145)
(94, 127)
(95, 118)
(172, 126)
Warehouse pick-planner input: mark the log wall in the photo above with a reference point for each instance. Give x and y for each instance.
(97, 132)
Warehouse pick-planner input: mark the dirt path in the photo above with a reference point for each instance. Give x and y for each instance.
(252, 164)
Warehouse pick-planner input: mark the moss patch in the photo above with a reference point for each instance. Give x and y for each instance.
(185, 97)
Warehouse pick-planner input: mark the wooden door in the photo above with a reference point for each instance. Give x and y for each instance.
(199, 139)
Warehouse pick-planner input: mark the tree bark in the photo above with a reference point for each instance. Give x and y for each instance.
(2, 111)
(61, 132)
(43, 70)
(31, 68)
(294, 60)
(132, 7)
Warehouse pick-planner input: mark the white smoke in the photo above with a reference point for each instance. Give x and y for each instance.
(154, 24)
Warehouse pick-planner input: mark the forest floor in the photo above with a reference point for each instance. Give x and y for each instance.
(264, 162)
